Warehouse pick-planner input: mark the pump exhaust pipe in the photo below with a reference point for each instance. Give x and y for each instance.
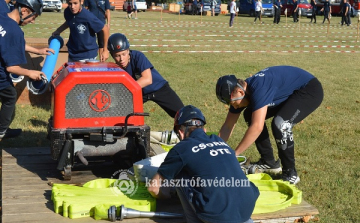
(83, 148)
(131, 213)
(39, 87)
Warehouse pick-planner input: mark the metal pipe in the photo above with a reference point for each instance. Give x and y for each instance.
(132, 213)
(92, 148)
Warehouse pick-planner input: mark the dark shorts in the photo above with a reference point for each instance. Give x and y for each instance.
(166, 98)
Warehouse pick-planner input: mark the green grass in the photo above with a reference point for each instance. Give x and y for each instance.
(327, 142)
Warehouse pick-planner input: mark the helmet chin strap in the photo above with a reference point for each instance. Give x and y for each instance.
(239, 98)
(23, 19)
(20, 14)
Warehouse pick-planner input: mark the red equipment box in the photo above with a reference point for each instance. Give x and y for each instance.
(94, 95)
(97, 113)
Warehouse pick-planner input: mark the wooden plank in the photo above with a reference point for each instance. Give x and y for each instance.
(299, 210)
(26, 195)
(26, 151)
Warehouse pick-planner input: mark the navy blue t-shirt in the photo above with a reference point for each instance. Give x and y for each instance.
(12, 48)
(98, 8)
(277, 3)
(4, 8)
(207, 159)
(138, 63)
(274, 85)
(82, 40)
(295, 4)
(327, 6)
(313, 4)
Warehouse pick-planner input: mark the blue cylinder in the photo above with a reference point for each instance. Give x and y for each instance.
(39, 87)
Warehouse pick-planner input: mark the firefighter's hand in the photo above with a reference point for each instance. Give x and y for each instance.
(46, 51)
(104, 56)
(56, 33)
(35, 74)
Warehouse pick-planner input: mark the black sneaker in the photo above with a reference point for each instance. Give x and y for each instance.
(291, 176)
(272, 167)
(10, 133)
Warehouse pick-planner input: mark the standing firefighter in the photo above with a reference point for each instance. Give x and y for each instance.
(288, 94)
(198, 159)
(12, 54)
(154, 87)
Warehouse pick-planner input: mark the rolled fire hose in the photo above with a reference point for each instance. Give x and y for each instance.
(16, 78)
(40, 86)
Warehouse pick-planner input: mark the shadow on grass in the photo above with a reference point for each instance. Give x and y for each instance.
(27, 139)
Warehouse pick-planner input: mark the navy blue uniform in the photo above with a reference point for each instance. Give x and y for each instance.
(12, 53)
(202, 157)
(4, 8)
(291, 94)
(98, 8)
(159, 91)
(12, 48)
(82, 40)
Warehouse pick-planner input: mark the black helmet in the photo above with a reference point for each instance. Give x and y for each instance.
(118, 42)
(35, 5)
(186, 115)
(225, 86)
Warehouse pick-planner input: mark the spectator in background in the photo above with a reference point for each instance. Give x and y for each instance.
(314, 8)
(83, 26)
(101, 9)
(296, 11)
(194, 7)
(213, 5)
(134, 7)
(327, 11)
(232, 13)
(277, 7)
(258, 10)
(347, 12)
(129, 11)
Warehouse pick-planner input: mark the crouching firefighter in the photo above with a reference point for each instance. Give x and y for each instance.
(205, 173)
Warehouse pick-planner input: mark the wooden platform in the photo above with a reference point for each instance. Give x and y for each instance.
(27, 173)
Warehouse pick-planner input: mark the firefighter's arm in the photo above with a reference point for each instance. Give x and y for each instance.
(155, 189)
(107, 16)
(42, 51)
(59, 30)
(33, 74)
(228, 126)
(145, 79)
(105, 55)
(254, 130)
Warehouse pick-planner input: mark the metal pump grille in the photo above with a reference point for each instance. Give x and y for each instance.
(77, 101)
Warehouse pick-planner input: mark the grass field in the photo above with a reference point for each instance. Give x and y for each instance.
(191, 52)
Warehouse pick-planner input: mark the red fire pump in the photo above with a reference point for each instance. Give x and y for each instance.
(97, 111)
